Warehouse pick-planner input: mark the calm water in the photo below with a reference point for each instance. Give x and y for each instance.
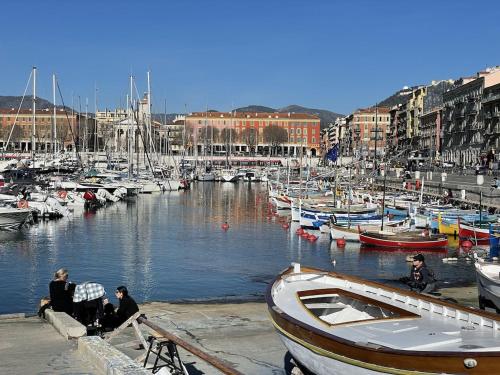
(171, 247)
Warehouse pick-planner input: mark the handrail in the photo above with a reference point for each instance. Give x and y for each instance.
(215, 362)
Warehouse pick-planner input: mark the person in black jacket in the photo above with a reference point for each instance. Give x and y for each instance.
(61, 292)
(127, 307)
(421, 278)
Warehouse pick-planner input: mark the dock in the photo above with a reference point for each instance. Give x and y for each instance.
(239, 334)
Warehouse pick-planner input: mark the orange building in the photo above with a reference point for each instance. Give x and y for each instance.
(366, 124)
(302, 131)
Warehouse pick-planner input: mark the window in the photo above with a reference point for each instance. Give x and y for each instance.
(313, 140)
(298, 131)
(305, 131)
(313, 131)
(292, 131)
(304, 140)
(292, 139)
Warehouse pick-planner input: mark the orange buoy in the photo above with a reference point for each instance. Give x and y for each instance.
(467, 244)
(285, 226)
(225, 226)
(23, 203)
(340, 242)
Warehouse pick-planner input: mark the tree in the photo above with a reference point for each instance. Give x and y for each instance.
(249, 137)
(228, 136)
(275, 136)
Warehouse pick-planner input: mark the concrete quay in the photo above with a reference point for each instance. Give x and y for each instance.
(30, 345)
(464, 188)
(239, 333)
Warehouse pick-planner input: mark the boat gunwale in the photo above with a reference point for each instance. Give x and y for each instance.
(306, 332)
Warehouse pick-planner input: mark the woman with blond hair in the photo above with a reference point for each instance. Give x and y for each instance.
(61, 292)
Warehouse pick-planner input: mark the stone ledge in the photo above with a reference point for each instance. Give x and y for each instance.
(13, 316)
(65, 324)
(107, 359)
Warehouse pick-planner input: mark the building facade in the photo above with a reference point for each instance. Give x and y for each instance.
(206, 130)
(491, 117)
(61, 131)
(464, 134)
(368, 131)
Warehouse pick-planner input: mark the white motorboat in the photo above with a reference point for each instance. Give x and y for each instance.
(488, 284)
(13, 218)
(341, 324)
(206, 176)
(229, 175)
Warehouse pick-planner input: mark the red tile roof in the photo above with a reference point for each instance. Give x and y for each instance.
(254, 115)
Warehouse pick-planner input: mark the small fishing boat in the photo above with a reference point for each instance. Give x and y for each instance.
(447, 225)
(478, 235)
(488, 284)
(412, 240)
(341, 324)
(352, 234)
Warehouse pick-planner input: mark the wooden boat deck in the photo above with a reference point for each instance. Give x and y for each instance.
(395, 320)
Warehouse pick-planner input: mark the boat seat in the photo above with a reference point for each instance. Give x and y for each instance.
(419, 340)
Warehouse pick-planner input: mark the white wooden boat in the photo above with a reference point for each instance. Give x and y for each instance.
(206, 176)
(488, 284)
(339, 324)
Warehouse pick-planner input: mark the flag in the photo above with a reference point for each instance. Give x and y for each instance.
(333, 153)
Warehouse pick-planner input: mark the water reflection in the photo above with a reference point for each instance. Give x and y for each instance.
(171, 247)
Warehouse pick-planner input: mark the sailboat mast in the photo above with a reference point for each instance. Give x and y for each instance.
(54, 122)
(33, 126)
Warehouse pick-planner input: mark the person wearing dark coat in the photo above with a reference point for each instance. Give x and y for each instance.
(421, 278)
(127, 306)
(61, 292)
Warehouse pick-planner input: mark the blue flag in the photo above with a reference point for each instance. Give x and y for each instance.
(333, 153)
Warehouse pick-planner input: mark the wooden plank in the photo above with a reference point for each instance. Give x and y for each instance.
(129, 321)
(215, 362)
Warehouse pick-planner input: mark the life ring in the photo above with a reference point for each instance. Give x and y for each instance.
(62, 194)
(23, 203)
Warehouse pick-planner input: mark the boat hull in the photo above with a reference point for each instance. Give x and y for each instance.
(476, 235)
(402, 243)
(488, 287)
(13, 218)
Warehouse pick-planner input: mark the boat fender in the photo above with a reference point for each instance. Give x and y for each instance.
(470, 362)
(225, 226)
(23, 203)
(62, 194)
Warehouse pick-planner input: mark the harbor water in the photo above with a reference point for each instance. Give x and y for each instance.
(170, 247)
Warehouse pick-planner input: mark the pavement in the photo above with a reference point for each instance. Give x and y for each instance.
(32, 346)
(239, 333)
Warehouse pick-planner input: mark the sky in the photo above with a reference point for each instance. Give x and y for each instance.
(335, 55)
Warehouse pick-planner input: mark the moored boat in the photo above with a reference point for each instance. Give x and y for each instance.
(413, 240)
(339, 324)
(478, 235)
(13, 218)
(488, 284)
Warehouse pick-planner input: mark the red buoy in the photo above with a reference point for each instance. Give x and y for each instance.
(285, 226)
(225, 226)
(340, 242)
(467, 244)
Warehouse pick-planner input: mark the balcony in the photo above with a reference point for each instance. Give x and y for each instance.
(491, 98)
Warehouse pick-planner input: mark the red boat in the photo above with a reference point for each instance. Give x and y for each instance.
(411, 240)
(478, 236)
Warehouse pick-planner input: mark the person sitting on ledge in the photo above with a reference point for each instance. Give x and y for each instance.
(127, 307)
(61, 292)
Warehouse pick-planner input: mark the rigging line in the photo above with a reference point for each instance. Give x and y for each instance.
(144, 142)
(69, 124)
(18, 110)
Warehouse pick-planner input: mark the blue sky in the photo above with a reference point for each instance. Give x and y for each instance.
(336, 55)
